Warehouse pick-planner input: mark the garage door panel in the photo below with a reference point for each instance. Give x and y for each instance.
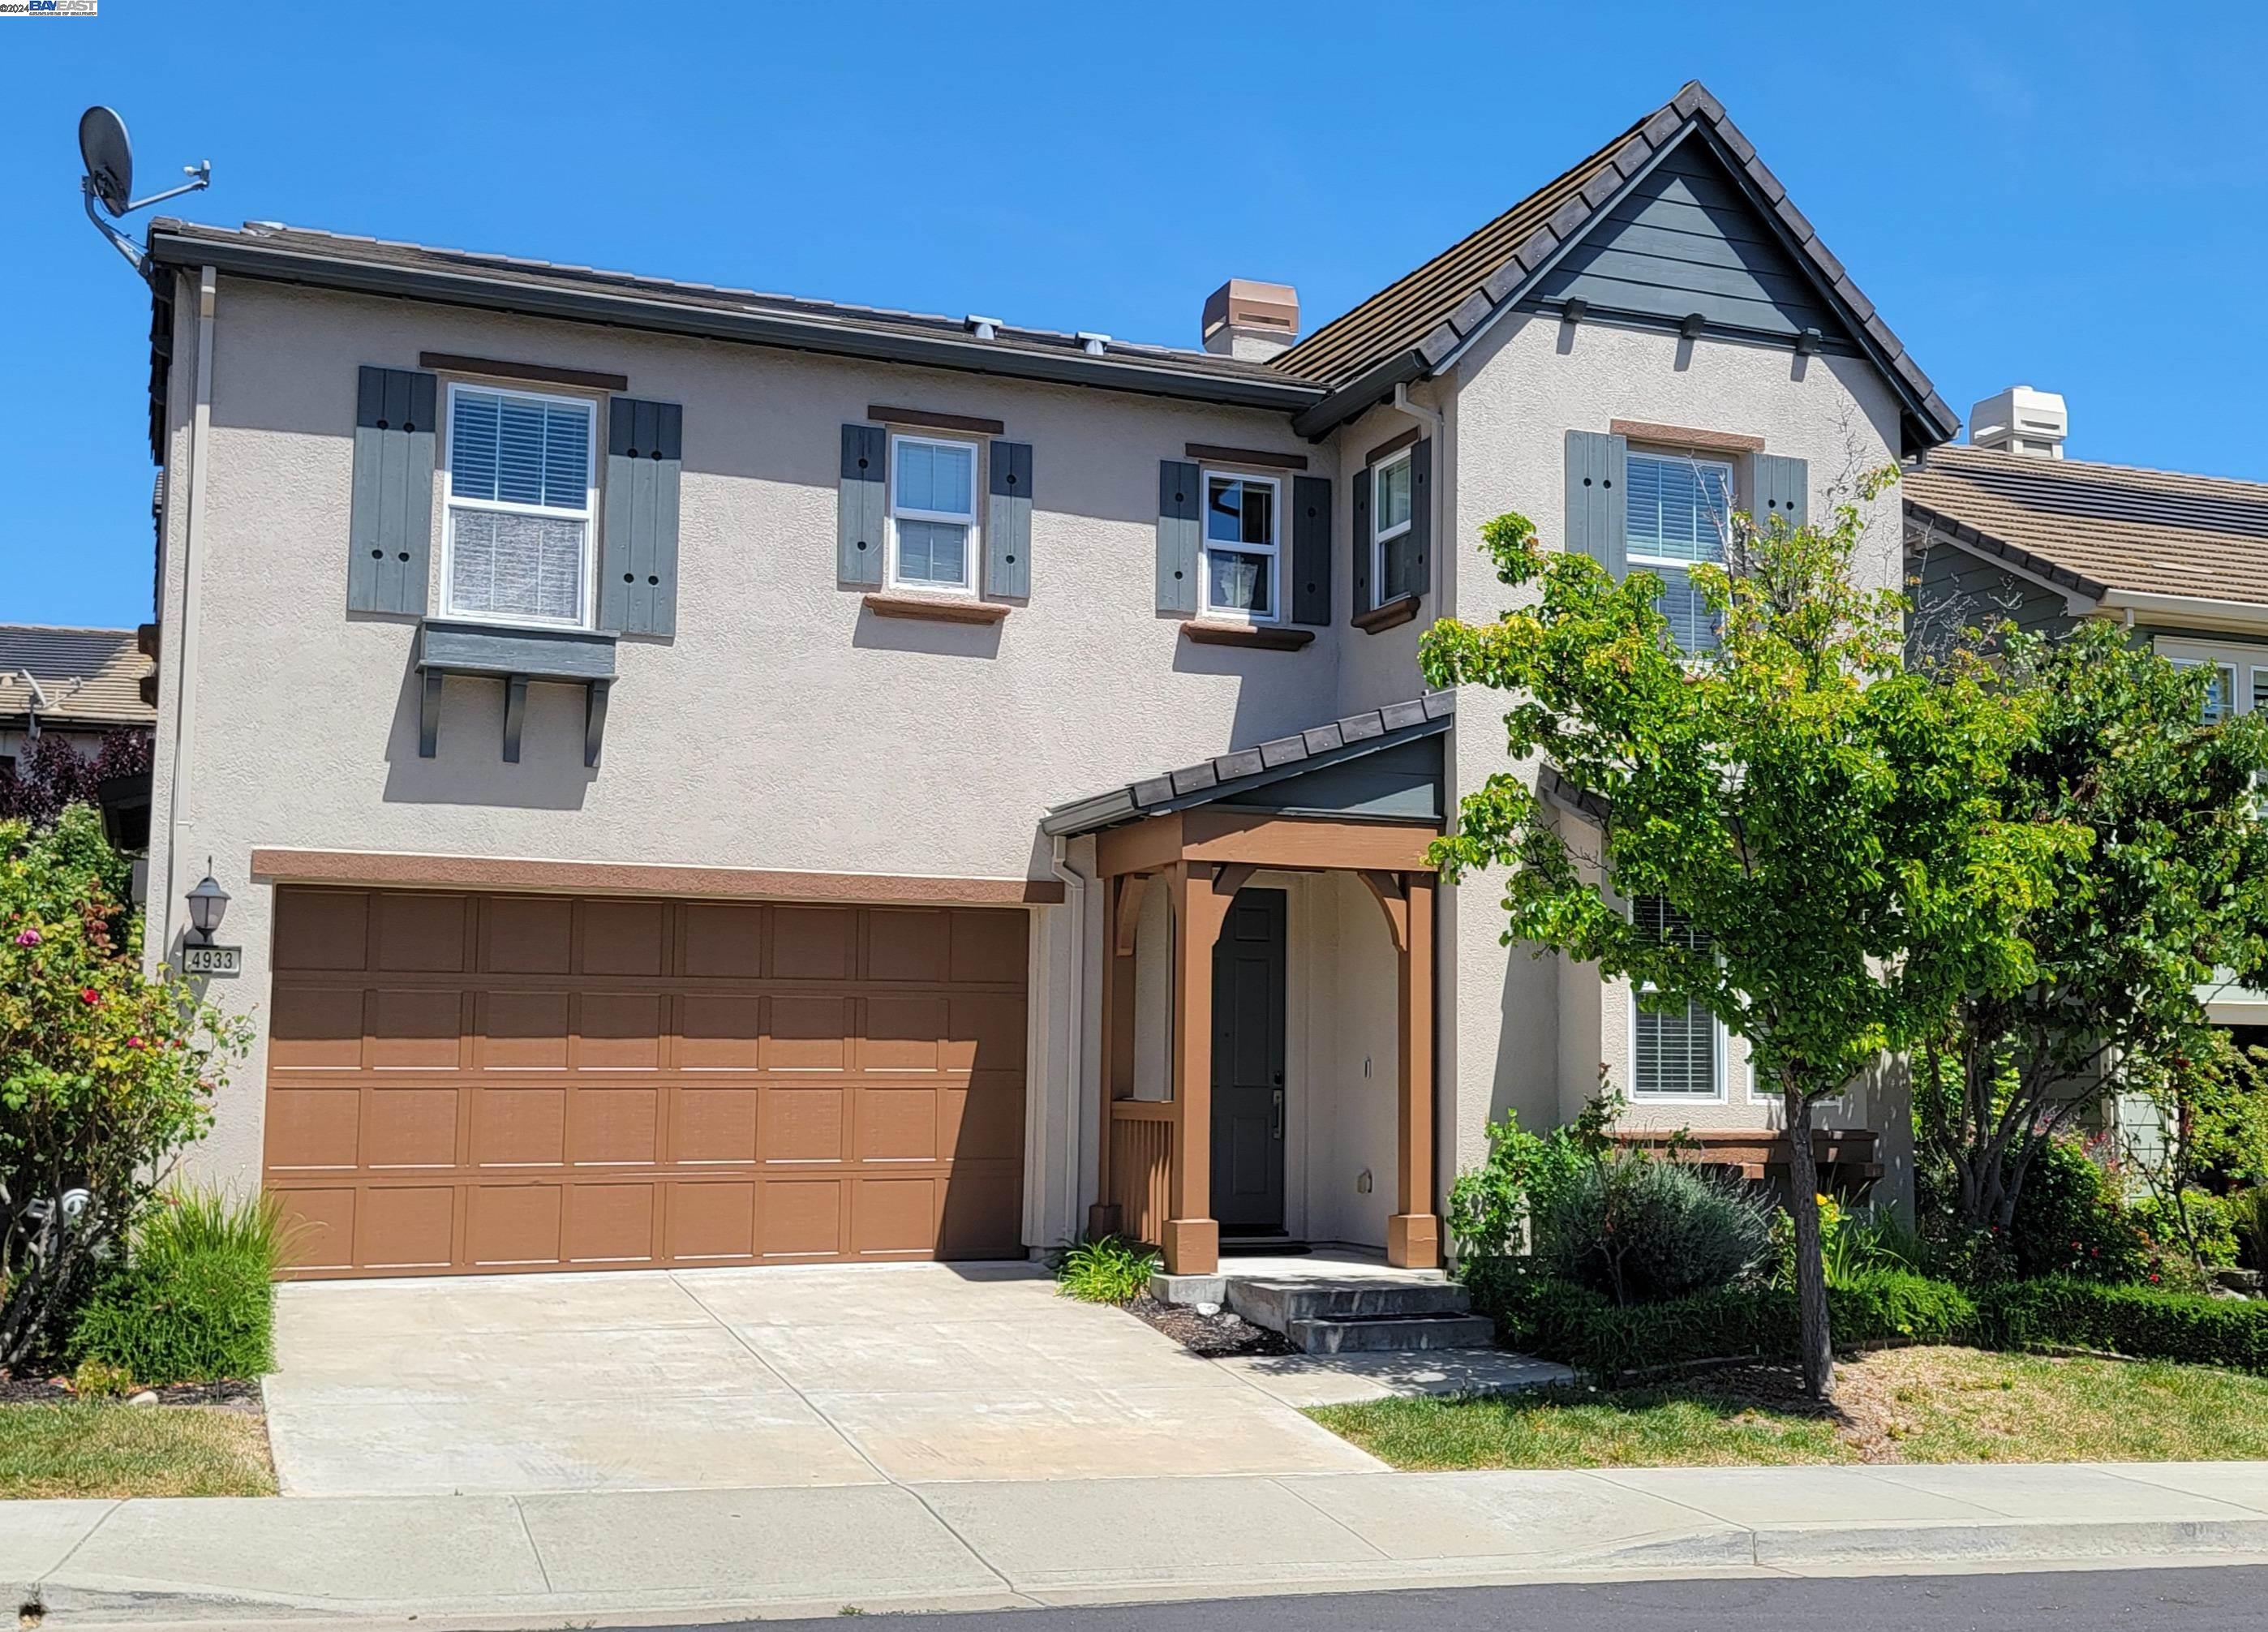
(475, 1082)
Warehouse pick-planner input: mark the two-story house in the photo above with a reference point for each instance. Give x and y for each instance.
(709, 777)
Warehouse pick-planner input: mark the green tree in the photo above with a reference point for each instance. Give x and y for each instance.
(1822, 820)
(2170, 893)
(105, 1074)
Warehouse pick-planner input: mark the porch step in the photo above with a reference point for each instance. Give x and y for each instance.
(1280, 1305)
(1402, 1334)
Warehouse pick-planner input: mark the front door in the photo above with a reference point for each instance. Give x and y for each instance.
(1248, 1066)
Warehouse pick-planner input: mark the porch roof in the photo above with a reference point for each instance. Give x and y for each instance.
(1352, 737)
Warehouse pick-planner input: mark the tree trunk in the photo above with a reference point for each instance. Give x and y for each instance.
(1816, 1343)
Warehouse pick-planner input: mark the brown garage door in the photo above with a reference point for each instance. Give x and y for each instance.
(483, 1083)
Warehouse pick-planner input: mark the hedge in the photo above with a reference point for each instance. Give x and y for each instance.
(1564, 1322)
(2148, 1323)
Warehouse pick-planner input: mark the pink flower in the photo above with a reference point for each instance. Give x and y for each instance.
(91, 997)
(29, 938)
(135, 1042)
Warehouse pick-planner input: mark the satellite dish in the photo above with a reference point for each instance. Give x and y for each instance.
(109, 158)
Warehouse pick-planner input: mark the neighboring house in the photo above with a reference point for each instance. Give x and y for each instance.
(706, 777)
(79, 687)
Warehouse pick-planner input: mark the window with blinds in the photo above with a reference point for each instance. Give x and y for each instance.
(520, 502)
(1676, 1054)
(1679, 511)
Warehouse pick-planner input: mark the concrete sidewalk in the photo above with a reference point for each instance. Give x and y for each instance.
(497, 1560)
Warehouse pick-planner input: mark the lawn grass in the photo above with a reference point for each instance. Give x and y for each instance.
(84, 1449)
(1909, 1405)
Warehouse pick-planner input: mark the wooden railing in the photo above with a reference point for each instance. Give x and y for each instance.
(1141, 1158)
(1849, 1154)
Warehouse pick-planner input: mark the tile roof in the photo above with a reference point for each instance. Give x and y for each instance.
(2096, 528)
(1348, 737)
(107, 663)
(1426, 315)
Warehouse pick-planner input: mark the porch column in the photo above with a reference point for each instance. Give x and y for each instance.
(1122, 916)
(1192, 1243)
(1413, 1234)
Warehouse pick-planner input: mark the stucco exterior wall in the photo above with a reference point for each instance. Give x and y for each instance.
(782, 727)
(1528, 1034)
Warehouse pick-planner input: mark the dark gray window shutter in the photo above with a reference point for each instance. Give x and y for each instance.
(858, 506)
(1008, 521)
(1178, 508)
(1783, 491)
(1360, 494)
(1598, 513)
(390, 526)
(637, 538)
(1311, 550)
(1421, 514)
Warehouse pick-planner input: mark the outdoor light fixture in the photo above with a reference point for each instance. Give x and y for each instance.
(208, 904)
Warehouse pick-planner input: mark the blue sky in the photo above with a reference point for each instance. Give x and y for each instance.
(2068, 195)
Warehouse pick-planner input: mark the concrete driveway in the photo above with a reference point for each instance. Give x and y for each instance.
(657, 1380)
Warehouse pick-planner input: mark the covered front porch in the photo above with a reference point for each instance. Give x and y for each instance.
(1304, 868)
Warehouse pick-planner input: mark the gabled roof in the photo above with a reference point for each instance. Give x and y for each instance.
(1416, 325)
(2098, 529)
(107, 663)
(1353, 737)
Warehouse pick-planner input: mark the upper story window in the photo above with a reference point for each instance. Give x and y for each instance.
(932, 514)
(521, 496)
(1240, 547)
(1676, 1054)
(2236, 679)
(1394, 552)
(1679, 508)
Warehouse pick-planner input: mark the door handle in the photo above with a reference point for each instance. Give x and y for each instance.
(1276, 1116)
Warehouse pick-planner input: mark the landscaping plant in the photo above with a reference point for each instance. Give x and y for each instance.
(1640, 1229)
(1822, 824)
(1491, 1206)
(1107, 1271)
(194, 1300)
(105, 1074)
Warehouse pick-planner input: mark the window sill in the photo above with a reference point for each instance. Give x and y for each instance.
(1260, 637)
(1402, 609)
(937, 610)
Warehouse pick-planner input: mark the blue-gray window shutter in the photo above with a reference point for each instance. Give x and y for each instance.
(637, 538)
(1360, 494)
(1783, 491)
(1311, 550)
(858, 506)
(1421, 514)
(1598, 513)
(390, 526)
(1008, 521)
(1178, 551)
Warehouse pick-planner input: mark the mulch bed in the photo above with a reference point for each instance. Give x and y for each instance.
(235, 1395)
(1217, 1336)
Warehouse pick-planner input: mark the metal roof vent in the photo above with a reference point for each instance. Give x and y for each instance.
(2021, 420)
(1093, 344)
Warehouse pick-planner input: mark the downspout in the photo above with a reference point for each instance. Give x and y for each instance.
(1436, 427)
(1074, 883)
(185, 642)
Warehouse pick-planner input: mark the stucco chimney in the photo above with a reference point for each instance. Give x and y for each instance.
(1251, 321)
(2021, 420)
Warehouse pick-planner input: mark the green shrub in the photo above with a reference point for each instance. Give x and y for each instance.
(2145, 1322)
(1107, 1270)
(2199, 1221)
(1887, 1305)
(1524, 1173)
(194, 1301)
(2248, 1215)
(2069, 1222)
(1640, 1230)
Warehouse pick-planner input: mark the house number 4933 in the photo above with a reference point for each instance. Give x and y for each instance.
(212, 959)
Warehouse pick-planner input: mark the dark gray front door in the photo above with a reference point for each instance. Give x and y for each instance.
(1248, 1066)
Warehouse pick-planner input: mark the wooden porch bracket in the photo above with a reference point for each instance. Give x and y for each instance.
(1130, 891)
(1393, 901)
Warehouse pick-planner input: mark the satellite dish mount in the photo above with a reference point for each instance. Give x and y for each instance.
(109, 179)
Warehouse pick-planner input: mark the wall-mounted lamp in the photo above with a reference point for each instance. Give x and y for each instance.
(208, 905)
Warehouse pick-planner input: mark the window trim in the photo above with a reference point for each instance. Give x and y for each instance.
(588, 584)
(1380, 539)
(895, 582)
(1273, 550)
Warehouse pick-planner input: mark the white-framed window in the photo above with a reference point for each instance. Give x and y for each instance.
(1677, 1055)
(522, 494)
(2238, 681)
(1241, 517)
(932, 514)
(1393, 546)
(1679, 509)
